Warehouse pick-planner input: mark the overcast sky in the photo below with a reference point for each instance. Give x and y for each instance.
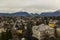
(34, 6)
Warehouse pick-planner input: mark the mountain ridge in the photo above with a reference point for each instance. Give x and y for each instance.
(56, 13)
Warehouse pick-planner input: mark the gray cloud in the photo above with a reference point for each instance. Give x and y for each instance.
(29, 5)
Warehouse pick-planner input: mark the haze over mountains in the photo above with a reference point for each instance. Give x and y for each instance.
(56, 13)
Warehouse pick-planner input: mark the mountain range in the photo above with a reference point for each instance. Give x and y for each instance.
(18, 14)
(56, 13)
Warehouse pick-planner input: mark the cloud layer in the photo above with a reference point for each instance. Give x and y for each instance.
(35, 6)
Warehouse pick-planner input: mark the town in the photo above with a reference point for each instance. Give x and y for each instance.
(29, 28)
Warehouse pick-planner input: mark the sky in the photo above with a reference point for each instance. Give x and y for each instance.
(33, 6)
